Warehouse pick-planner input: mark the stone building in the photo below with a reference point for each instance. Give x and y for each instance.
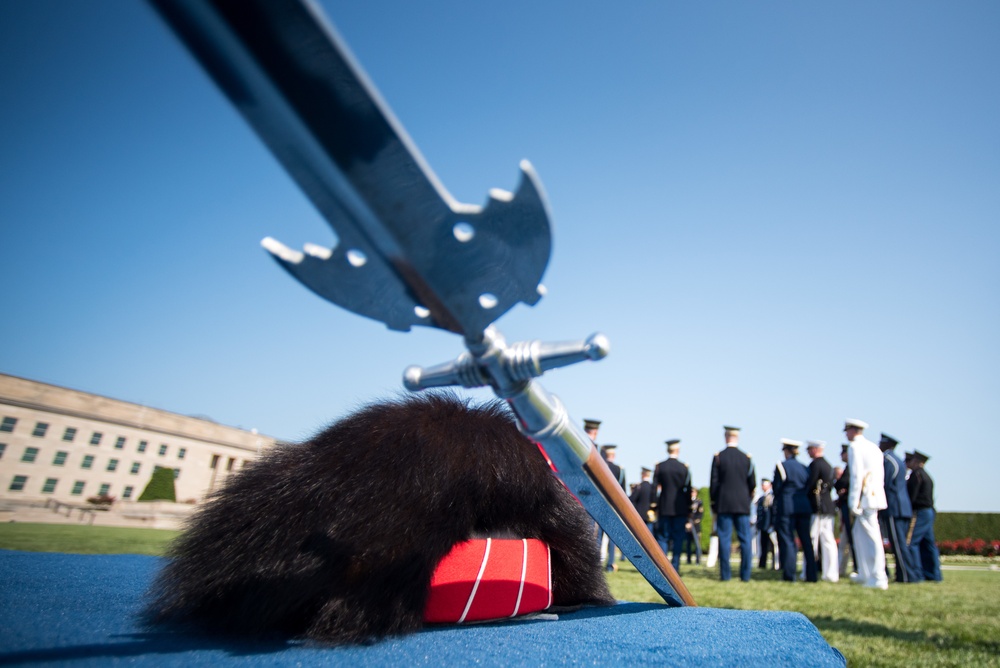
(58, 444)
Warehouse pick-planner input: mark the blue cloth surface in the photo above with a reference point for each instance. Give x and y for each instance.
(79, 610)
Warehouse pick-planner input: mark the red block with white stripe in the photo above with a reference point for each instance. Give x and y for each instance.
(490, 578)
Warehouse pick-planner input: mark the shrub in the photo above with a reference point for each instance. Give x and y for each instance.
(160, 486)
(958, 526)
(104, 501)
(970, 546)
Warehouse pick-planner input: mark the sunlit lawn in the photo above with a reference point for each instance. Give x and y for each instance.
(951, 623)
(83, 539)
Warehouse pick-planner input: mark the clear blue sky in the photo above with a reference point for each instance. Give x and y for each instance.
(782, 214)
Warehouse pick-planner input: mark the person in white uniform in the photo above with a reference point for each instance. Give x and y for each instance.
(865, 498)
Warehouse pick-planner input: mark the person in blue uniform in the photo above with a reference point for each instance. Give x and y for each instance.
(793, 512)
(672, 480)
(896, 517)
(733, 482)
(922, 544)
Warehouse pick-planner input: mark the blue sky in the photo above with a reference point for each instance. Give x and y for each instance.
(782, 214)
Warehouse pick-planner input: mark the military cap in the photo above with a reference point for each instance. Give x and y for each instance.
(815, 444)
(763, 480)
(589, 425)
(888, 440)
(920, 457)
(673, 441)
(844, 447)
(728, 428)
(789, 444)
(646, 469)
(609, 447)
(907, 456)
(859, 424)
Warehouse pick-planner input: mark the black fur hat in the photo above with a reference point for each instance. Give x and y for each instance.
(336, 539)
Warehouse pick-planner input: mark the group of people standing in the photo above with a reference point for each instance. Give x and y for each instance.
(876, 491)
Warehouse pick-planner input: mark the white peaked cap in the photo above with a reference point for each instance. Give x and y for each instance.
(851, 422)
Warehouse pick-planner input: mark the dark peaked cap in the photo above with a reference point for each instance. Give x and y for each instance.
(888, 440)
(591, 424)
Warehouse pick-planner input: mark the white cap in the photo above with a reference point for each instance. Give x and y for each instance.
(851, 422)
(815, 444)
(789, 443)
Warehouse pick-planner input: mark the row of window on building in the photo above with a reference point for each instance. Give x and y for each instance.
(20, 482)
(30, 455)
(69, 435)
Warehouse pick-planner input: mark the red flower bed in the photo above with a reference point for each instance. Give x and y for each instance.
(972, 546)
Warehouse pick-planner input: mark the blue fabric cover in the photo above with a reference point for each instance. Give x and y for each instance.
(79, 610)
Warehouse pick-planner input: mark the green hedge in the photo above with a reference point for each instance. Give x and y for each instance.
(955, 526)
(160, 487)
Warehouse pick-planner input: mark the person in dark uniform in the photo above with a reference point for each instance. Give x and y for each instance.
(765, 524)
(591, 428)
(896, 517)
(642, 498)
(922, 544)
(609, 453)
(823, 511)
(792, 512)
(673, 484)
(692, 537)
(733, 482)
(842, 486)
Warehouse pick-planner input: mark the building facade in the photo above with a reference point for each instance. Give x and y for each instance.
(69, 446)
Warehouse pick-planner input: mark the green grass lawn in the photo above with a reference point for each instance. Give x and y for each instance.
(83, 539)
(951, 623)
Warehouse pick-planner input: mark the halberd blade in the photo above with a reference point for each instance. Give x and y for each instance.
(284, 67)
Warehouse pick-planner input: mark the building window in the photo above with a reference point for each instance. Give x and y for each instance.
(88, 461)
(163, 449)
(215, 461)
(40, 429)
(105, 488)
(230, 463)
(95, 438)
(29, 455)
(135, 467)
(60, 458)
(50, 485)
(18, 483)
(3, 446)
(181, 453)
(142, 446)
(177, 474)
(8, 424)
(78, 487)
(69, 434)
(127, 492)
(112, 464)
(120, 443)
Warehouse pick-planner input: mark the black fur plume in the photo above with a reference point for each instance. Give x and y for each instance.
(336, 539)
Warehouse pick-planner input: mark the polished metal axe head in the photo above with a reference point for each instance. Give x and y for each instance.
(408, 253)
